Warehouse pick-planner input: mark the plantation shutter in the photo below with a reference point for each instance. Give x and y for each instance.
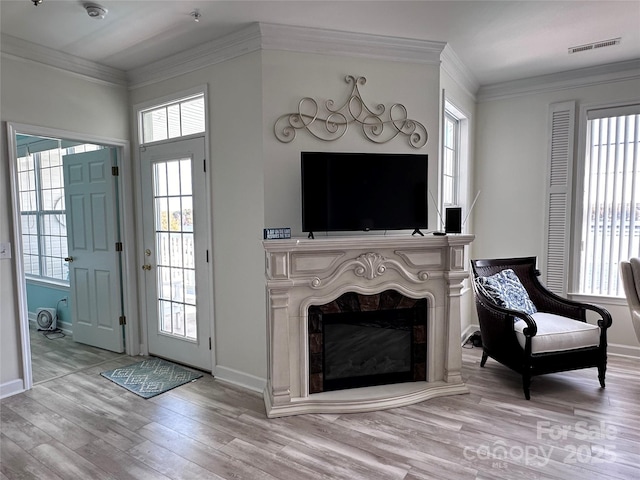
(558, 204)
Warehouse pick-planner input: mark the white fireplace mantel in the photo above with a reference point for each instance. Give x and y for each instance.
(304, 272)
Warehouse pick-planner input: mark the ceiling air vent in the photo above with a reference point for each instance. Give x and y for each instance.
(595, 45)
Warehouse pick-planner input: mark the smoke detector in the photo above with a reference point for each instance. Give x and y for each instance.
(95, 11)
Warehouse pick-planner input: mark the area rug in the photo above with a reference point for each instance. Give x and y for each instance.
(151, 377)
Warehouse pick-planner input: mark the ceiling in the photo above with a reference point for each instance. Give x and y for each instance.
(496, 40)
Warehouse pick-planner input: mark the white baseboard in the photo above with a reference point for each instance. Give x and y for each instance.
(240, 379)
(624, 350)
(467, 332)
(11, 388)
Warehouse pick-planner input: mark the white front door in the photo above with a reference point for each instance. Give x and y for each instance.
(176, 225)
(94, 267)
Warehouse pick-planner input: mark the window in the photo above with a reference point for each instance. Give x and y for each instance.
(176, 119)
(611, 202)
(454, 181)
(450, 160)
(42, 209)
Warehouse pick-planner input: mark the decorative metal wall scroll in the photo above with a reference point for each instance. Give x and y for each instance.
(354, 110)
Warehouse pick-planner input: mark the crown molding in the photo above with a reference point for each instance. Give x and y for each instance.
(13, 47)
(267, 36)
(459, 72)
(240, 42)
(341, 43)
(583, 77)
(257, 36)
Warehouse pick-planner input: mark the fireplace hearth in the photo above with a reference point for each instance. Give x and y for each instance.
(367, 340)
(312, 283)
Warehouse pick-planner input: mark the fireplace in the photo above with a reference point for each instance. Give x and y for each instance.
(310, 284)
(367, 340)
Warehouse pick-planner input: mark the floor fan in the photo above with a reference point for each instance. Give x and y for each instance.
(47, 319)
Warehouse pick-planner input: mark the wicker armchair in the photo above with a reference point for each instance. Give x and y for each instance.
(535, 344)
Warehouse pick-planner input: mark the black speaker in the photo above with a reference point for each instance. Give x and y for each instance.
(453, 220)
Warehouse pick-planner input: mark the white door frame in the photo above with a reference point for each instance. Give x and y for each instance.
(127, 226)
(136, 109)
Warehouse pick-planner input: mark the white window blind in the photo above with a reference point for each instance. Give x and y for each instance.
(611, 203)
(176, 119)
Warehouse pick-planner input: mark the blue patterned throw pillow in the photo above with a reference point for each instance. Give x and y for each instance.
(505, 289)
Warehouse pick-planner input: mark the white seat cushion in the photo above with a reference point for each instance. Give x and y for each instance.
(557, 333)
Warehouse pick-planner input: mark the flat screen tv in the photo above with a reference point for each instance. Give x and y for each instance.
(363, 191)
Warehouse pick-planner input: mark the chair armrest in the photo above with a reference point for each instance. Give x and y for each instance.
(497, 310)
(605, 320)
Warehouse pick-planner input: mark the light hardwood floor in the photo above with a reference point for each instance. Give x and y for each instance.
(54, 355)
(83, 426)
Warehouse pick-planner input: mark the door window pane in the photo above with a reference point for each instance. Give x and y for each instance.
(174, 246)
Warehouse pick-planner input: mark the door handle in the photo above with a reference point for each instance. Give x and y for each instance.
(146, 267)
(68, 259)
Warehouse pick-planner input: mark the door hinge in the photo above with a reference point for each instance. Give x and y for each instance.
(115, 171)
(118, 246)
(204, 164)
(209, 343)
(207, 256)
(122, 320)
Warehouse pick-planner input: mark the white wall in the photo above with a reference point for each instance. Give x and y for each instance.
(256, 179)
(43, 96)
(236, 170)
(288, 77)
(510, 169)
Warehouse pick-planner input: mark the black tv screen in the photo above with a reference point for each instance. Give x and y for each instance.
(363, 191)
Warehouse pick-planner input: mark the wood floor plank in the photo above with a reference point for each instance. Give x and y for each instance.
(187, 427)
(338, 440)
(117, 463)
(81, 425)
(48, 420)
(22, 432)
(102, 423)
(203, 452)
(221, 421)
(272, 463)
(332, 464)
(16, 463)
(170, 464)
(59, 355)
(68, 464)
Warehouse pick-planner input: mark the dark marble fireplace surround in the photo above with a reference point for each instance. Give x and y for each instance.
(396, 346)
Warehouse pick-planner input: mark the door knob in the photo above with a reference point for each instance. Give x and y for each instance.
(68, 259)
(146, 267)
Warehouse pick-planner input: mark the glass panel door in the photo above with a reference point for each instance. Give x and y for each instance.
(176, 226)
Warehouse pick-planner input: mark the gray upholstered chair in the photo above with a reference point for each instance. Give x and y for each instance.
(531, 330)
(630, 272)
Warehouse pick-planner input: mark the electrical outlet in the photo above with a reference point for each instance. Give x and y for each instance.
(5, 250)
